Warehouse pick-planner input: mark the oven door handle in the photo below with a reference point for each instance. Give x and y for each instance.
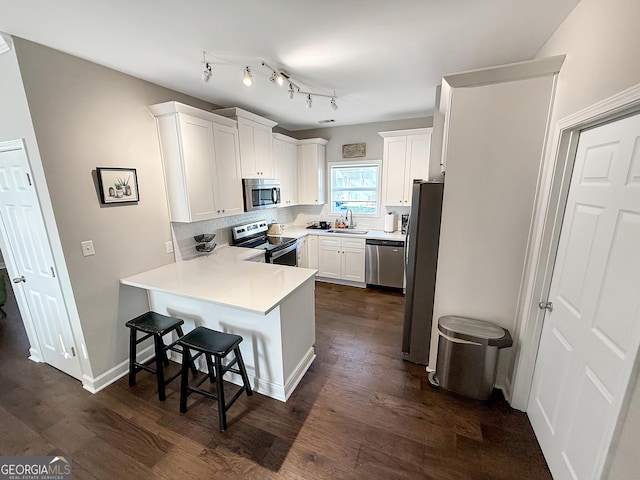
(284, 251)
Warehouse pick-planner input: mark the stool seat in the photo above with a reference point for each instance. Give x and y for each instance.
(154, 323)
(215, 346)
(210, 341)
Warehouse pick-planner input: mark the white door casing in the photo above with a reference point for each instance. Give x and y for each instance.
(29, 256)
(590, 340)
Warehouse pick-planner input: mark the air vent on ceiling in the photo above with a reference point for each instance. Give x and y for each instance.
(327, 121)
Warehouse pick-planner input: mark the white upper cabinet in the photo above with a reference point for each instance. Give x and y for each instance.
(311, 171)
(255, 134)
(200, 158)
(285, 161)
(405, 157)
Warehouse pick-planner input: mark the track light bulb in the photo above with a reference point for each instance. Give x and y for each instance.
(333, 104)
(206, 73)
(309, 101)
(291, 92)
(277, 78)
(248, 78)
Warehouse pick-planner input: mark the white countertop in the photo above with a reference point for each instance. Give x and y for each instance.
(299, 231)
(226, 278)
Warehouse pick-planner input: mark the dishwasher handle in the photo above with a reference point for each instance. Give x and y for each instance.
(385, 243)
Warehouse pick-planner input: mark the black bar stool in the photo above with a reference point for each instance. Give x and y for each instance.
(155, 325)
(218, 345)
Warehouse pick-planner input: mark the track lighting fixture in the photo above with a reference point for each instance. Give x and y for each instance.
(248, 78)
(206, 73)
(277, 76)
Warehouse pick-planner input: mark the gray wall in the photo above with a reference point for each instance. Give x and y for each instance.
(87, 116)
(601, 39)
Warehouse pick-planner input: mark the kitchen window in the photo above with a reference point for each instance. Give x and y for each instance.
(355, 186)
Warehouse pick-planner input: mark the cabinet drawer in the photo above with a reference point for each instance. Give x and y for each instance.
(353, 243)
(330, 241)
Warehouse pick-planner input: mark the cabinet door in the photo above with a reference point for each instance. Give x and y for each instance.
(198, 157)
(311, 163)
(248, 163)
(286, 170)
(228, 193)
(312, 251)
(353, 264)
(394, 171)
(262, 138)
(256, 156)
(329, 261)
(302, 253)
(417, 162)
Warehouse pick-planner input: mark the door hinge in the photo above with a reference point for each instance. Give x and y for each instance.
(53, 273)
(73, 352)
(29, 179)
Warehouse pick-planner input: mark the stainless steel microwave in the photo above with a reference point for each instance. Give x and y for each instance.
(260, 193)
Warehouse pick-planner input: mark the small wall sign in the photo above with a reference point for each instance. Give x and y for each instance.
(117, 185)
(354, 150)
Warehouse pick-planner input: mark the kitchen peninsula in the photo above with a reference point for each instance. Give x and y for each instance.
(270, 306)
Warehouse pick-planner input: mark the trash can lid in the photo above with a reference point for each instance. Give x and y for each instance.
(475, 330)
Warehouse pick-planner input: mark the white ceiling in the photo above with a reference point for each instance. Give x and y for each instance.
(383, 58)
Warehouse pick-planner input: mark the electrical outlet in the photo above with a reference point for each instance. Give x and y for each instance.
(87, 248)
(168, 247)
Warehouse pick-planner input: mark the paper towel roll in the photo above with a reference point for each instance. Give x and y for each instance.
(390, 222)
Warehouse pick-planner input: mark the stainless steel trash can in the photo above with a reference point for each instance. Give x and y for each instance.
(468, 355)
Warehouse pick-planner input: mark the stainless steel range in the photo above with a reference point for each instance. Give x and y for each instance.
(278, 250)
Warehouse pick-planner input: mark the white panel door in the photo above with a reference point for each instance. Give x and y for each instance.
(31, 262)
(590, 339)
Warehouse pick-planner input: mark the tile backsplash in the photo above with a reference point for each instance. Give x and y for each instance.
(184, 244)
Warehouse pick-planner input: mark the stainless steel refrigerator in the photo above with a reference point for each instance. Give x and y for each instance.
(421, 259)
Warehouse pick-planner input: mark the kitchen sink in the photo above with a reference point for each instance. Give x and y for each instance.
(346, 230)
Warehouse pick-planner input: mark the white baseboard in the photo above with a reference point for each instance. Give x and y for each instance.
(337, 281)
(298, 373)
(95, 384)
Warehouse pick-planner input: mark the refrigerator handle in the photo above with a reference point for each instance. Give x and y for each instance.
(406, 245)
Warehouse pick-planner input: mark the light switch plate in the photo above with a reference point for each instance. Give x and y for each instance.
(87, 248)
(168, 247)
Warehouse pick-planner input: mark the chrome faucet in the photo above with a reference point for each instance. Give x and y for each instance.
(350, 218)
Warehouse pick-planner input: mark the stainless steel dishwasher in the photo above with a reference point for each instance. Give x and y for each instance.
(385, 263)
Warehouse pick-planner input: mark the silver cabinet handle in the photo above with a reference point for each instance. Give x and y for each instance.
(20, 279)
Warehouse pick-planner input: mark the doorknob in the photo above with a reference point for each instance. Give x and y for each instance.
(546, 306)
(19, 279)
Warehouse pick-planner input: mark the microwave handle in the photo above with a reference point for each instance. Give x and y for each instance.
(274, 195)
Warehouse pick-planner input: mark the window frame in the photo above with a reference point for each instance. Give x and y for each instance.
(356, 163)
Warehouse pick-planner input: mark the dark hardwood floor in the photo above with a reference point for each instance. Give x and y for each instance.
(359, 413)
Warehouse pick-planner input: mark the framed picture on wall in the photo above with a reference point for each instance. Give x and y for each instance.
(117, 185)
(354, 150)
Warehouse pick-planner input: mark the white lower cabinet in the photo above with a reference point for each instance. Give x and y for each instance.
(341, 258)
(302, 252)
(312, 251)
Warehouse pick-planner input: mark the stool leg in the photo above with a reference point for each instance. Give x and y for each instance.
(212, 375)
(184, 379)
(132, 356)
(222, 414)
(194, 370)
(243, 371)
(157, 340)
